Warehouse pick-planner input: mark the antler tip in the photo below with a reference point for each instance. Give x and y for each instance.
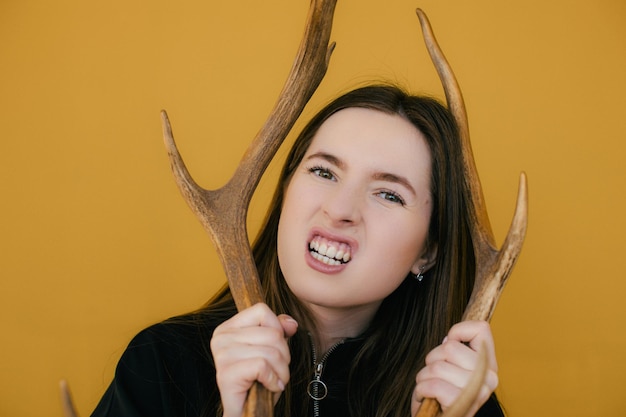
(168, 136)
(164, 118)
(522, 201)
(523, 177)
(66, 400)
(421, 14)
(523, 187)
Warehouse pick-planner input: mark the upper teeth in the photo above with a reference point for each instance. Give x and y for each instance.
(331, 253)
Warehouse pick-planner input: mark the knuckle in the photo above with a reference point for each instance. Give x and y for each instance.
(445, 393)
(276, 334)
(448, 349)
(483, 326)
(274, 355)
(420, 376)
(217, 357)
(215, 342)
(429, 357)
(493, 380)
(261, 366)
(270, 376)
(438, 367)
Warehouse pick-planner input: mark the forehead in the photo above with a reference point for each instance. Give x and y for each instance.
(372, 137)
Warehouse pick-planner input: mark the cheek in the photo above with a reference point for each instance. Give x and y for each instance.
(289, 211)
(299, 201)
(405, 249)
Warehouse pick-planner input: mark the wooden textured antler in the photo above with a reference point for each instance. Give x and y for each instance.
(493, 266)
(223, 212)
(66, 400)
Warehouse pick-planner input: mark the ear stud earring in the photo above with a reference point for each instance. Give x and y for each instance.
(420, 276)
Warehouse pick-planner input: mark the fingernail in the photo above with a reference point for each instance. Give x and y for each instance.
(281, 385)
(290, 320)
(445, 339)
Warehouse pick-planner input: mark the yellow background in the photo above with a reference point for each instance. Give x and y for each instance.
(96, 242)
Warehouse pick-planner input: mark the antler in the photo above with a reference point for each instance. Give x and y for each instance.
(66, 400)
(223, 212)
(493, 266)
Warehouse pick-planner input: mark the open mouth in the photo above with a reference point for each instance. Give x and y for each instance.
(329, 252)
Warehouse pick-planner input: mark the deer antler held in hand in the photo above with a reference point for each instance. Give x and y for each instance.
(223, 212)
(493, 266)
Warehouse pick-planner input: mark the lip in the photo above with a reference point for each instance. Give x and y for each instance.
(320, 266)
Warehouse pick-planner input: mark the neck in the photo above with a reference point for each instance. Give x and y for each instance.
(335, 324)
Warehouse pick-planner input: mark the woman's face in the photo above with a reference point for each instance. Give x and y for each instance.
(356, 211)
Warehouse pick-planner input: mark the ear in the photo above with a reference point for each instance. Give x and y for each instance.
(426, 261)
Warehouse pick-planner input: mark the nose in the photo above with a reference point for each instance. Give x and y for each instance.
(343, 206)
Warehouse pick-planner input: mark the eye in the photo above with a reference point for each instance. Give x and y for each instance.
(392, 197)
(322, 172)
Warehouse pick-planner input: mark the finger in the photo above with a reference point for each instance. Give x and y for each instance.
(256, 325)
(446, 371)
(276, 353)
(443, 391)
(235, 381)
(290, 326)
(416, 402)
(454, 352)
(446, 391)
(257, 315)
(244, 373)
(250, 335)
(454, 374)
(239, 351)
(475, 334)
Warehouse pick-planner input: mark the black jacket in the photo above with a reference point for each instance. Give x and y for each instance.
(166, 371)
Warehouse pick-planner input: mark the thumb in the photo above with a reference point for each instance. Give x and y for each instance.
(290, 326)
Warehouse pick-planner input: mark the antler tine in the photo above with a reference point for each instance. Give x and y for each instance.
(306, 74)
(66, 400)
(491, 276)
(456, 105)
(493, 266)
(223, 212)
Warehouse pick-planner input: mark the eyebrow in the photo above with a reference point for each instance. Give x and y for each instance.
(379, 176)
(389, 177)
(328, 158)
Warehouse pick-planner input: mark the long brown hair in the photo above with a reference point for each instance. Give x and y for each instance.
(416, 316)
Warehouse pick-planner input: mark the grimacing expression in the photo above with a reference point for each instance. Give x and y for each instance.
(356, 212)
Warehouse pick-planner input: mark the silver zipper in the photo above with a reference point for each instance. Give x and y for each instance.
(317, 389)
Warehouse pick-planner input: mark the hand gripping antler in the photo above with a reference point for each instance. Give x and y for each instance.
(223, 212)
(493, 266)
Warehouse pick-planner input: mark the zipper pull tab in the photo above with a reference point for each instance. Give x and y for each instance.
(316, 389)
(318, 371)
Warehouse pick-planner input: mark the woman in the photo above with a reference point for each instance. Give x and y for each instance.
(366, 263)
